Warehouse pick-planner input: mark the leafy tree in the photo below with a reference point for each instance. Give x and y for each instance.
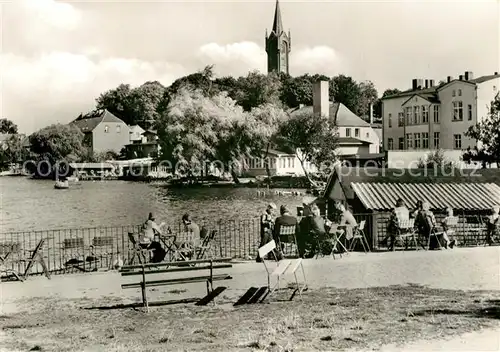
(297, 90)
(12, 150)
(117, 101)
(145, 102)
(345, 90)
(57, 143)
(264, 126)
(257, 89)
(201, 80)
(7, 126)
(313, 138)
(435, 160)
(227, 84)
(487, 133)
(389, 92)
(368, 95)
(198, 129)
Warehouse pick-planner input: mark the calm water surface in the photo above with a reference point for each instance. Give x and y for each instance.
(35, 204)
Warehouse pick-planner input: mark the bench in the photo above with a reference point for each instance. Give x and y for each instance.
(209, 266)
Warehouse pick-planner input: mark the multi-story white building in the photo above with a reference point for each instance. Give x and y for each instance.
(430, 116)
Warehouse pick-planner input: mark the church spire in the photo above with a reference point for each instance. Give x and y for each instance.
(277, 24)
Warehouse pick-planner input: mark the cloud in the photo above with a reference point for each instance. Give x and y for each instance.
(240, 58)
(40, 87)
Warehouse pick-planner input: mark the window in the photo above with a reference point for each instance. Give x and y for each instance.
(348, 132)
(453, 93)
(106, 129)
(356, 132)
(425, 140)
(459, 92)
(408, 116)
(436, 140)
(416, 117)
(118, 129)
(390, 120)
(469, 112)
(367, 134)
(458, 111)
(417, 140)
(401, 143)
(409, 141)
(425, 114)
(293, 162)
(401, 119)
(436, 113)
(457, 138)
(390, 144)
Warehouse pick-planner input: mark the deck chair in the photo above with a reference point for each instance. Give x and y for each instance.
(359, 237)
(405, 231)
(452, 224)
(101, 250)
(206, 246)
(281, 268)
(35, 256)
(287, 235)
(73, 253)
(143, 255)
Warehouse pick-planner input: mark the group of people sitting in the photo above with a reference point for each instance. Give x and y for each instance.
(149, 238)
(308, 232)
(441, 235)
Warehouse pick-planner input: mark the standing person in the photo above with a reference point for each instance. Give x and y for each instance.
(493, 226)
(266, 226)
(150, 229)
(193, 235)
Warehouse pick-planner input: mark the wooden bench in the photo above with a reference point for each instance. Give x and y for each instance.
(183, 266)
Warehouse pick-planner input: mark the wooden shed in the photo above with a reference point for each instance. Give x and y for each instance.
(372, 193)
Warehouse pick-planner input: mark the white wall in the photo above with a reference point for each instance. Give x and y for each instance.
(410, 158)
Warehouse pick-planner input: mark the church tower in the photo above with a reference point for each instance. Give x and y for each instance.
(278, 45)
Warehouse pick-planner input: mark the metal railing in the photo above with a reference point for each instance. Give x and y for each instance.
(99, 247)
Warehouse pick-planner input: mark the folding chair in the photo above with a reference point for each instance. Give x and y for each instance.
(406, 229)
(143, 255)
(7, 249)
(359, 236)
(282, 267)
(287, 236)
(436, 234)
(206, 245)
(35, 256)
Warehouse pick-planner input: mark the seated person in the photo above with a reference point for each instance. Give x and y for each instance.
(447, 231)
(399, 215)
(349, 220)
(493, 226)
(427, 224)
(311, 227)
(286, 219)
(147, 239)
(188, 247)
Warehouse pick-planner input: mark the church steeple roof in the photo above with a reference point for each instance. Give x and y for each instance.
(277, 24)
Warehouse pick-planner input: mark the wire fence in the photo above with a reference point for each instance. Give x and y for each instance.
(98, 248)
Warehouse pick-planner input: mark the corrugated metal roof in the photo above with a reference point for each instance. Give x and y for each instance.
(467, 196)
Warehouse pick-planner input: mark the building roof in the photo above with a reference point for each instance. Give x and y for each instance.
(349, 175)
(342, 141)
(431, 92)
(87, 123)
(341, 115)
(277, 23)
(82, 166)
(466, 196)
(275, 152)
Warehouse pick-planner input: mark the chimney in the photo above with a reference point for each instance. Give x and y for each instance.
(496, 73)
(321, 99)
(420, 83)
(469, 75)
(461, 77)
(448, 80)
(414, 84)
(426, 83)
(431, 83)
(371, 113)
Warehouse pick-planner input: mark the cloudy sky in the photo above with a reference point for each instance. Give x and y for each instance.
(58, 56)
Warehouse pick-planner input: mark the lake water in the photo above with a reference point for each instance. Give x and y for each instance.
(35, 205)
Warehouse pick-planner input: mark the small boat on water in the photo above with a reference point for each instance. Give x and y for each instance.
(61, 184)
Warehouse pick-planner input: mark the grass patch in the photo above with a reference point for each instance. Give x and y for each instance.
(327, 319)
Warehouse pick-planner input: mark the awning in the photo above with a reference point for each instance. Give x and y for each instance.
(465, 196)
